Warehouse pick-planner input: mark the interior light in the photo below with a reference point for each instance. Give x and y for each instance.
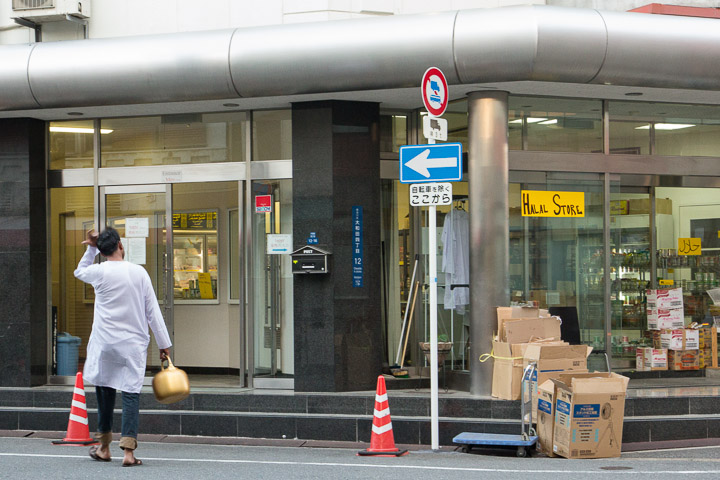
(103, 131)
(528, 120)
(549, 122)
(667, 126)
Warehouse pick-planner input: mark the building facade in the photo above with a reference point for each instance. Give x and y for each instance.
(219, 140)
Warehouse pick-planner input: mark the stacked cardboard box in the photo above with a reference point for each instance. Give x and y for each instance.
(517, 328)
(551, 361)
(665, 309)
(581, 415)
(665, 314)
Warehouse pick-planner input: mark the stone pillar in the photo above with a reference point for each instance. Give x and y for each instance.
(336, 166)
(23, 254)
(489, 225)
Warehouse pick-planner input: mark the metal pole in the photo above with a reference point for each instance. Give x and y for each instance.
(489, 225)
(432, 246)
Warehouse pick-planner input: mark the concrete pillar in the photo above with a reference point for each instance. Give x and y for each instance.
(489, 225)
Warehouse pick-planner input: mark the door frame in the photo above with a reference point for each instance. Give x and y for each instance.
(167, 298)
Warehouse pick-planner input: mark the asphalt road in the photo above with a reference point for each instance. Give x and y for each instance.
(22, 458)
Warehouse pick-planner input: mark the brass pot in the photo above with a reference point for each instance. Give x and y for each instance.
(170, 384)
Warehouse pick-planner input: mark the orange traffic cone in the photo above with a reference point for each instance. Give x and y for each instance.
(382, 442)
(78, 432)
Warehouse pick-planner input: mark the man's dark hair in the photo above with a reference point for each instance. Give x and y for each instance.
(108, 241)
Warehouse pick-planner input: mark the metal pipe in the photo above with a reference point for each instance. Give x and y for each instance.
(489, 225)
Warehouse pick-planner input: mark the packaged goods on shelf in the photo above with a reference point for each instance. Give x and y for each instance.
(589, 414)
(649, 359)
(684, 359)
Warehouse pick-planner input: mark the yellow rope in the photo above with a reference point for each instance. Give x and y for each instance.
(487, 356)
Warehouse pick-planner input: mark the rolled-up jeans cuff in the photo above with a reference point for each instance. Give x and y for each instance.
(104, 438)
(128, 442)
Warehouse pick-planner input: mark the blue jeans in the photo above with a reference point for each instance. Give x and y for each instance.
(130, 414)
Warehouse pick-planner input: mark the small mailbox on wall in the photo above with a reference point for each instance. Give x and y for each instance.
(309, 259)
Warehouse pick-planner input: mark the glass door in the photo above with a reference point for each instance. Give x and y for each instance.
(141, 216)
(271, 285)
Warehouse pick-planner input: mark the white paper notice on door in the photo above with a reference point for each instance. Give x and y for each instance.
(137, 227)
(134, 250)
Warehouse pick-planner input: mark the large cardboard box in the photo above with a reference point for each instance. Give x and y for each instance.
(551, 361)
(684, 359)
(680, 339)
(589, 413)
(665, 319)
(523, 330)
(507, 313)
(651, 359)
(546, 417)
(507, 370)
(664, 299)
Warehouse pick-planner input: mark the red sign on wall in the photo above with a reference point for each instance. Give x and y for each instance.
(263, 203)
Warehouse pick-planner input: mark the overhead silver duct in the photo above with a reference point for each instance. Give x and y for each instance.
(535, 43)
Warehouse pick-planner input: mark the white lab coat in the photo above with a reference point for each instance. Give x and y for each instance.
(456, 259)
(125, 305)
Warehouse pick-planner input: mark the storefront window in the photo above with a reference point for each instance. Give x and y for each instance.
(393, 132)
(71, 144)
(557, 261)
(678, 130)
(173, 139)
(555, 124)
(72, 302)
(272, 135)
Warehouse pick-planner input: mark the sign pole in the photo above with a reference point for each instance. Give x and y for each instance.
(432, 245)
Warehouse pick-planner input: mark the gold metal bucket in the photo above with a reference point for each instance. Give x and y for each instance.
(170, 384)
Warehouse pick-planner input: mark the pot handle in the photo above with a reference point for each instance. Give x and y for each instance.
(170, 364)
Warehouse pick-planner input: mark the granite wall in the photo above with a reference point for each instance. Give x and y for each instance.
(23, 254)
(336, 166)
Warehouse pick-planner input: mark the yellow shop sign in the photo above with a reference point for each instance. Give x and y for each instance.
(538, 203)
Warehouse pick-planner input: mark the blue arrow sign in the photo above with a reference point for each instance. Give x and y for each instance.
(431, 163)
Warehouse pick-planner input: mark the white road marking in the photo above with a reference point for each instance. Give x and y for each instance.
(366, 465)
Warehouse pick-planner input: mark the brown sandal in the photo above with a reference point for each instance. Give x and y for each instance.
(133, 464)
(94, 455)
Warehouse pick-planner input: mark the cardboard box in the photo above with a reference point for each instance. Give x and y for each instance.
(551, 361)
(665, 299)
(523, 330)
(545, 419)
(680, 339)
(618, 207)
(507, 370)
(507, 313)
(684, 359)
(665, 319)
(640, 206)
(589, 413)
(651, 359)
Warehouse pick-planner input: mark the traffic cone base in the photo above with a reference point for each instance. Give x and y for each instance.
(382, 442)
(78, 432)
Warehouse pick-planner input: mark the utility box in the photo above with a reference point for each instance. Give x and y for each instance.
(309, 259)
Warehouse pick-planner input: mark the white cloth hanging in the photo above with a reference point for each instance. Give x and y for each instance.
(456, 259)
(125, 306)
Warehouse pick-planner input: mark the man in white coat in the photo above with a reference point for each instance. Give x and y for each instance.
(125, 305)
